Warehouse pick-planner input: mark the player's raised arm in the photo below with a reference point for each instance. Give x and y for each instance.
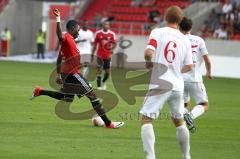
(59, 30)
(59, 62)
(208, 66)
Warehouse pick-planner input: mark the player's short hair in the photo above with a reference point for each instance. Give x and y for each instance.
(174, 14)
(71, 24)
(186, 24)
(105, 22)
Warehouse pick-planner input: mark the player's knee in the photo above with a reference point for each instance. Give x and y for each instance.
(205, 105)
(186, 105)
(99, 71)
(146, 120)
(178, 122)
(86, 64)
(91, 96)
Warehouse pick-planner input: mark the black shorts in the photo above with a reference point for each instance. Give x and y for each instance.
(75, 84)
(103, 63)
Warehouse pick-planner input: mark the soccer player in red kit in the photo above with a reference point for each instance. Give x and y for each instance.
(68, 66)
(105, 39)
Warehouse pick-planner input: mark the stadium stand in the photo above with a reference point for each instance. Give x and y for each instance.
(128, 19)
(3, 4)
(224, 24)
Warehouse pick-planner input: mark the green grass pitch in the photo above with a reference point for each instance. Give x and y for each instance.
(31, 129)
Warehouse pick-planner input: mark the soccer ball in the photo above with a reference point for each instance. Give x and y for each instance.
(97, 121)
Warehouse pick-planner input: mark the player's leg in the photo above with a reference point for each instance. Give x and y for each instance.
(99, 72)
(177, 109)
(186, 97)
(188, 119)
(42, 51)
(38, 91)
(106, 68)
(85, 60)
(38, 51)
(68, 88)
(84, 88)
(199, 94)
(148, 137)
(153, 103)
(85, 69)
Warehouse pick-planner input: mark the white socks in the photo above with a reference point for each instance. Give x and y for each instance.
(85, 72)
(184, 141)
(148, 139)
(197, 111)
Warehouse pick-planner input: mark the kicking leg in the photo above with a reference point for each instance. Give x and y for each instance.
(97, 106)
(53, 94)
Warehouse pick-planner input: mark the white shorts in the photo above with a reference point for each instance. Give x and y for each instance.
(154, 103)
(85, 58)
(196, 90)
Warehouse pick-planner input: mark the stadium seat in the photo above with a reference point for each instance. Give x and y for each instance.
(122, 11)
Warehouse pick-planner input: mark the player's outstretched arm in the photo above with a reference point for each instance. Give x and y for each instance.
(208, 66)
(59, 30)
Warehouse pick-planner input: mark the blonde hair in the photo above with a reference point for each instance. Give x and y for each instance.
(174, 14)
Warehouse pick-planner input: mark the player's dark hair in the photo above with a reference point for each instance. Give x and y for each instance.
(186, 24)
(71, 24)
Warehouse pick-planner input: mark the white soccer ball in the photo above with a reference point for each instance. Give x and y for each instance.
(97, 121)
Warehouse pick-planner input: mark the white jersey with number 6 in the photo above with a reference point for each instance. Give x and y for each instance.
(198, 51)
(172, 49)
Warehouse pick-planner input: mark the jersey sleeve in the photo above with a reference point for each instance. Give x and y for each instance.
(153, 42)
(202, 47)
(188, 59)
(114, 37)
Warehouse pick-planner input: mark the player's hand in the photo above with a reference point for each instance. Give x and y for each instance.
(56, 12)
(209, 76)
(59, 80)
(149, 65)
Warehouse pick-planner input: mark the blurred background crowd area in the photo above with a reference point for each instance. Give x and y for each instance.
(213, 19)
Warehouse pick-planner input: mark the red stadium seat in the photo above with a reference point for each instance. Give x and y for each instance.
(130, 16)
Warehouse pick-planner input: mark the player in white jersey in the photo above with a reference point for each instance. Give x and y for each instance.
(168, 54)
(193, 82)
(84, 43)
